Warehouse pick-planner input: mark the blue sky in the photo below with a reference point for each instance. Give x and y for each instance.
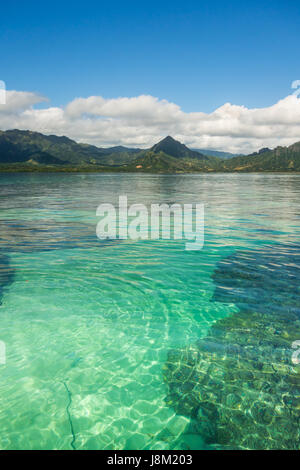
(194, 53)
(212, 74)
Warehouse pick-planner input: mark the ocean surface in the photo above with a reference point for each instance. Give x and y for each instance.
(121, 344)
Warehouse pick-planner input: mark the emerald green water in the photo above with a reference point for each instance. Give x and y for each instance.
(88, 324)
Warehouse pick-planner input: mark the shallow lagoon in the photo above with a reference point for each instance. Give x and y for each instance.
(91, 326)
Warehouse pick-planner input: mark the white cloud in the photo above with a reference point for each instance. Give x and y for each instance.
(17, 101)
(143, 120)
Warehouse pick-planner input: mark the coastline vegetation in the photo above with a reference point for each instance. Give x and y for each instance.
(26, 151)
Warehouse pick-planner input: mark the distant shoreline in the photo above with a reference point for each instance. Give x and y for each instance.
(68, 169)
(35, 152)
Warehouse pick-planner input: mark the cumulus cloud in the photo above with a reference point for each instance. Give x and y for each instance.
(143, 120)
(17, 101)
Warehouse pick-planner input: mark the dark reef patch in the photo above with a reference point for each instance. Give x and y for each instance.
(239, 384)
(6, 274)
(265, 280)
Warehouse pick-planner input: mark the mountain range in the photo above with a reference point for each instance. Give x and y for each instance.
(217, 153)
(32, 151)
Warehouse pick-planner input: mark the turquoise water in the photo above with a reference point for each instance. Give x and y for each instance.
(88, 325)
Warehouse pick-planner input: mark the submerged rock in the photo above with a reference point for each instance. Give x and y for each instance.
(6, 274)
(238, 384)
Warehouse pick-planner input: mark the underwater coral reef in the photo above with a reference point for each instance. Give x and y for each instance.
(239, 385)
